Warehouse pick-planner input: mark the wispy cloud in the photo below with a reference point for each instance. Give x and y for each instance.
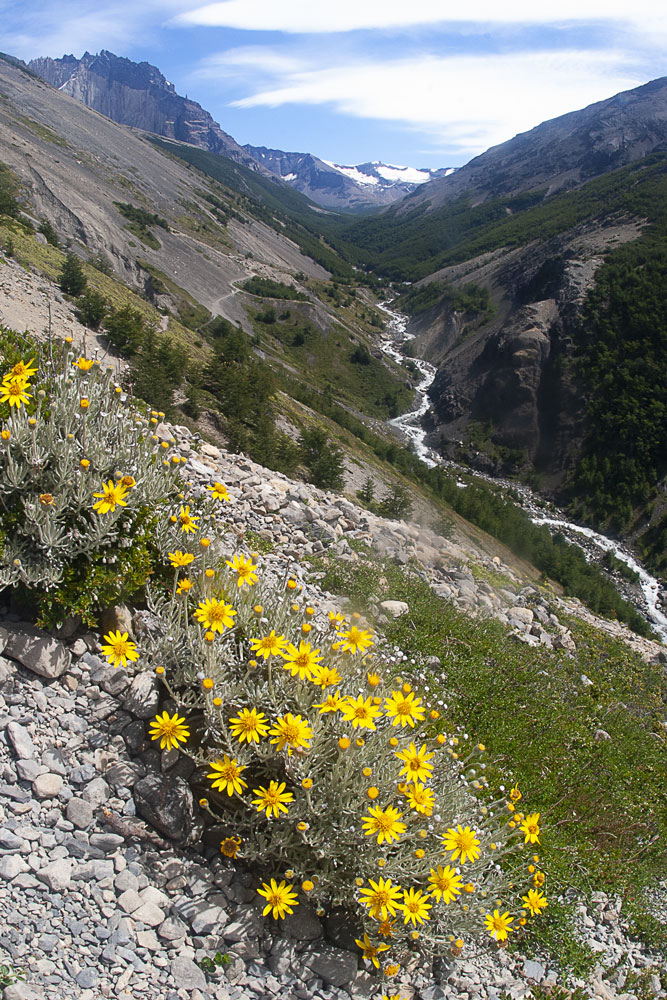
(310, 16)
(45, 28)
(463, 103)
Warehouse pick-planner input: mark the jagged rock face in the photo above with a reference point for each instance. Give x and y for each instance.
(137, 94)
(563, 152)
(334, 186)
(517, 373)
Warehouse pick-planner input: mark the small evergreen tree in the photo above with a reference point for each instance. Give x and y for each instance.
(396, 503)
(91, 308)
(47, 230)
(323, 459)
(126, 329)
(72, 280)
(367, 492)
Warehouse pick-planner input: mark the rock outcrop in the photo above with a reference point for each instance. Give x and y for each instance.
(137, 94)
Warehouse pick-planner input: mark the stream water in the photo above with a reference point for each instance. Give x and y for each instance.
(409, 425)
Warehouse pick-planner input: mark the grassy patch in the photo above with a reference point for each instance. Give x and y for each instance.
(603, 800)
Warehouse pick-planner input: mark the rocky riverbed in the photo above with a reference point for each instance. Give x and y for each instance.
(105, 887)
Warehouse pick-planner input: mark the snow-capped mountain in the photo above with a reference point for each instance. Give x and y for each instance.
(339, 186)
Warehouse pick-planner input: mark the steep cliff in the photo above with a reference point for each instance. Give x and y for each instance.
(137, 94)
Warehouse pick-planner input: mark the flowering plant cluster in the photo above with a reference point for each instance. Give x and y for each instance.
(324, 769)
(319, 764)
(81, 482)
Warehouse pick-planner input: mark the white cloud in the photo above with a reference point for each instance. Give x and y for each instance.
(45, 28)
(464, 102)
(317, 16)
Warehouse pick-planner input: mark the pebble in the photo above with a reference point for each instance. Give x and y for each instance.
(47, 786)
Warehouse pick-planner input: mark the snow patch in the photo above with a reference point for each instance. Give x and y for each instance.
(289, 177)
(409, 175)
(353, 173)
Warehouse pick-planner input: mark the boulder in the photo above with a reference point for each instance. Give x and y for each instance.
(143, 698)
(167, 803)
(37, 650)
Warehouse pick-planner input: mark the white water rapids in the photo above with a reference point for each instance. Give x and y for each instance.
(409, 424)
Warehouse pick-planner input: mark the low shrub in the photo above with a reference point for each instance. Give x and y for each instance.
(82, 482)
(324, 770)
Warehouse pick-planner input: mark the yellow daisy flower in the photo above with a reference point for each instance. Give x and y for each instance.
(291, 731)
(169, 730)
(272, 799)
(245, 569)
(462, 841)
(360, 711)
(119, 649)
(218, 491)
(215, 615)
(383, 822)
(381, 899)
(445, 884)
(498, 925)
(226, 775)
(112, 496)
(249, 725)
(404, 709)
(416, 766)
(279, 899)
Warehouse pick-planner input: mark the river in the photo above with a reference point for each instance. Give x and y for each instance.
(409, 425)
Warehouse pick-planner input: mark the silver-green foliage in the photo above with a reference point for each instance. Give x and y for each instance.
(47, 494)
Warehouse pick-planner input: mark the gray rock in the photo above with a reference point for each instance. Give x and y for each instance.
(533, 970)
(9, 841)
(432, 993)
(87, 979)
(172, 929)
(11, 866)
(130, 900)
(124, 774)
(303, 924)
(28, 770)
(143, 697)
(57, 875)
(188, 975)
(117, 617)
(21, 991)
(7, 668)
(168, 804)
(333, 965)
(21, 741)
(48, 943)
(96, 793)
(47, 786)
(395, 608)
(149, 914)
(247, 923)
(79, 813)
(37, 651)
(204, 917)
(54, 760)
(106, 841)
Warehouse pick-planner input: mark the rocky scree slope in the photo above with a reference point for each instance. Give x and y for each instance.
(75, 175)
(105, 887)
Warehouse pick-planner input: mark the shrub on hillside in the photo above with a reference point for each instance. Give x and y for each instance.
(82, 481)
(324, 769)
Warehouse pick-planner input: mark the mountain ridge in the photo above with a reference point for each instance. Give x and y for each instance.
(355, 187)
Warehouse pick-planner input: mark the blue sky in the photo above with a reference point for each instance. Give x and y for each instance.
(427, 83)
